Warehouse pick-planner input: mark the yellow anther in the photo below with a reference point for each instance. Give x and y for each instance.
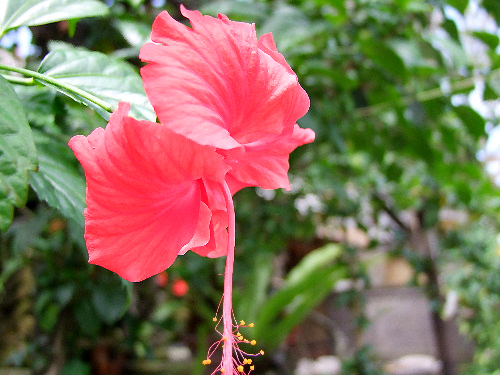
(252, 368)
(207, 361)
(240, 368)
(214, 319)
(251, 325)
(253, 342)
(261, 352)
(245, 361)
(242, 323)
(249, 361)
(222, 370)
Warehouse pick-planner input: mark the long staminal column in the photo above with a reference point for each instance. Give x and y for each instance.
(227, 306)
(235, 361)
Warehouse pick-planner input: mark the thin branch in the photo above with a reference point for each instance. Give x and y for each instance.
(391, 213)
(422, 96)
(61, 85)
(19, 80)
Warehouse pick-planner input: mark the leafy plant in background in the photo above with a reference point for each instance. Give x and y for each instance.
(474, 279)
(396, 138)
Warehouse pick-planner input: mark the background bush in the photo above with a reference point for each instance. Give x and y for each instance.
(404, 95)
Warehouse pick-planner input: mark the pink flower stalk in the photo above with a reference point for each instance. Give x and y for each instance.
(228, 103)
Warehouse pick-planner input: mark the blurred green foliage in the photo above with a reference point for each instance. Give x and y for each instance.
(476, 260)
(397, 138)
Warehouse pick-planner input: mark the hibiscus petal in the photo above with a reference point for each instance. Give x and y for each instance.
(214, 85)
(217, 246)
(265, 163)
(221, 235)
(268, 45)
(214, 196)
(143, 193)
(203, 231)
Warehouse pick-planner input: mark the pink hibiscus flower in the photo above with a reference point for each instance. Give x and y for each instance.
(228, 103)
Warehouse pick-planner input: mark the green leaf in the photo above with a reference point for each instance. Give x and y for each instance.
(110, 301)
(383, 56)
(489, 93)
(15, 13)
(49, 317)
(26, 231)
(292, 30)
(108, 78)
(9, 268)
(240, 11)
(451, 28)
(418, 6)
(72, 27)
(312, 262)
(461, 5)
(472, 120)
(250, 302)
(17, 153)
(76, 367)
(87, 318)
(135, 33)
(305, 287)
(135, 3)
(489, 39)
(58, 180)
(166, 310)
(38, 104)
(493, 8)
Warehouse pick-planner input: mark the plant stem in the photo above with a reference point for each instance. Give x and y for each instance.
(227, 306)
(19, 80)
(44, 79)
